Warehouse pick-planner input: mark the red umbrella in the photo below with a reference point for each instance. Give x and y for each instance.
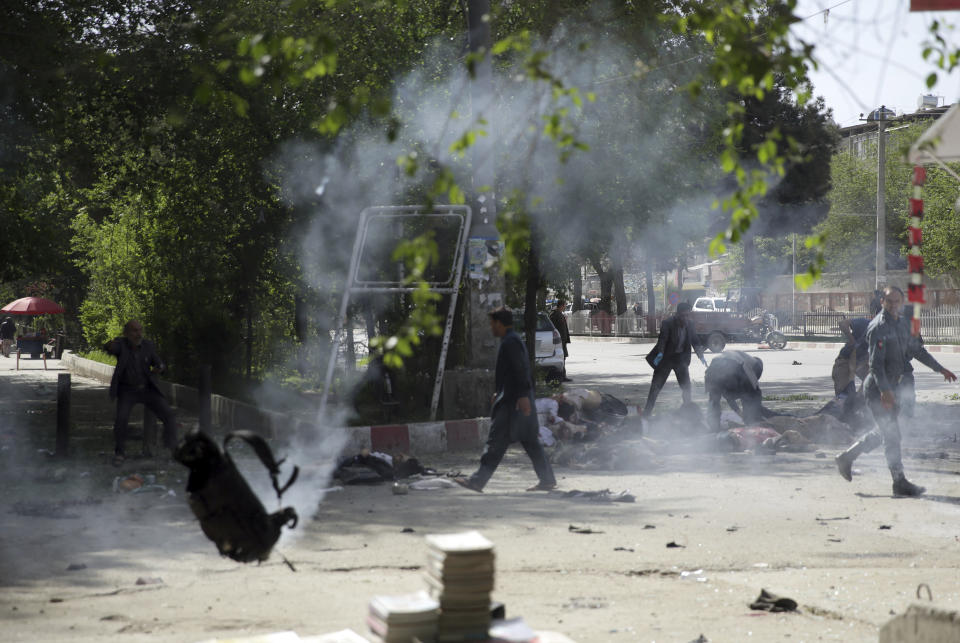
(32, 306)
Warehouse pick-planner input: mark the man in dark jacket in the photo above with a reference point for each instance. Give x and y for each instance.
(513, 417)
(135, 382)
(891, 348)
(732, 376)
(672, 353)
(8, 331)
(559, 320)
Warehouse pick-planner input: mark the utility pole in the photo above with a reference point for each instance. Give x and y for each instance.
(881, 206)
(793, 282)
(485, 284)
(880, 117)
(466, 389)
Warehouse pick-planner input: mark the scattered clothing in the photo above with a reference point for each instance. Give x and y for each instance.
(769, 602)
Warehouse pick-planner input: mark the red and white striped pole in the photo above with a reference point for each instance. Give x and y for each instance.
(915, 290)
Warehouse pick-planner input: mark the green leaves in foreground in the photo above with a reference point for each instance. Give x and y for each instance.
(417, 255)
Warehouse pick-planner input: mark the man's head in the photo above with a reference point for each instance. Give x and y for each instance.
(893, 300)
(683, 309)
(501, 320)
(133, 331)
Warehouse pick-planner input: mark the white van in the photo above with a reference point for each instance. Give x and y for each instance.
(711, 304)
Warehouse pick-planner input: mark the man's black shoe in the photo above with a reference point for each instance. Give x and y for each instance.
(467, 483)
(845, 466)
(905, 488)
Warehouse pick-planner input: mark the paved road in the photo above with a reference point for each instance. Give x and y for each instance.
(849, 553)
(620, 369)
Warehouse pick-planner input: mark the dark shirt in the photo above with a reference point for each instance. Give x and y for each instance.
(137, 371)
(728, 374)
(513, 379)
(560, 321)
(888, 341)
(676, 340)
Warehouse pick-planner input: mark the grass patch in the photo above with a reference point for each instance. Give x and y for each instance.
(99, 356)
(796, 397)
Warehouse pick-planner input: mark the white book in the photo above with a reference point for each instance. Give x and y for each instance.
(464, 542)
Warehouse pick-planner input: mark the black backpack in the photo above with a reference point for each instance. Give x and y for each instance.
(230, 513)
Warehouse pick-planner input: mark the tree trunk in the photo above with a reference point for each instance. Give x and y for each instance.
(651, 299)
(620, 293)
(749, 261)
(249, 340)
(606, 286)
(578, 290)
(530, 300)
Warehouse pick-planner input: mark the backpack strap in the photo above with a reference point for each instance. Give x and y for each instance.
(263, 452)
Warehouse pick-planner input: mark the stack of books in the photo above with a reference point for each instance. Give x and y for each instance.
(403, 618)
(460, 576)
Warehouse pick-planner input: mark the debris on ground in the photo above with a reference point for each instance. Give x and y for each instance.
(41, 509)
(603, 495)
(770, 602)
(427, 484)
(373, 467)
(582, 530)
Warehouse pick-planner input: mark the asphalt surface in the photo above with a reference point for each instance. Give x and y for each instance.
(707, 532)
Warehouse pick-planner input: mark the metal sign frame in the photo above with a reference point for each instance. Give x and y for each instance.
(450, 286)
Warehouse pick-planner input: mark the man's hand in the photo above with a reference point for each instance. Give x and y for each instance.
(948, 375)
(887, 399)
(656, 360)
(523, 405)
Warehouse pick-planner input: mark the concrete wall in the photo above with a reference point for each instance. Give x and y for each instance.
(230, 415)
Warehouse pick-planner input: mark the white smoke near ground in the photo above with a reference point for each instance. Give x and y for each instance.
(634, 153)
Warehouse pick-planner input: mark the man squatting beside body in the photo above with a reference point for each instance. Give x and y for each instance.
(891, 347)
(135, 382)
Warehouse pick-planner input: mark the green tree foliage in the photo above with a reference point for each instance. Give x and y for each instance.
(850, 228)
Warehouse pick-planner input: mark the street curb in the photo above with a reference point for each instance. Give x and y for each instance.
(230, 415)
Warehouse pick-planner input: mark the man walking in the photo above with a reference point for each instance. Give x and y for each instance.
(7, 332)
(560, 322)
(513, 419)
(891, 347)
(135, 382)
(672, 353)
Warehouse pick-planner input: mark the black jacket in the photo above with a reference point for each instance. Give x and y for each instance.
(120, 348)
(513, 381)
(669, 341)
(727, 374)
(560, 321)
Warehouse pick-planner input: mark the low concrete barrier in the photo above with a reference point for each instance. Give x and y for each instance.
(230, 415)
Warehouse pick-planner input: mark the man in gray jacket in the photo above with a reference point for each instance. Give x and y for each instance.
(891, 347)
(135, 382)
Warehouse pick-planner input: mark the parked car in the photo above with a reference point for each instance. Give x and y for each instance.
(549, 347)
(710, 304)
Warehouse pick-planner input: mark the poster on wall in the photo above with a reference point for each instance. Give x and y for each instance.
(482, 256)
